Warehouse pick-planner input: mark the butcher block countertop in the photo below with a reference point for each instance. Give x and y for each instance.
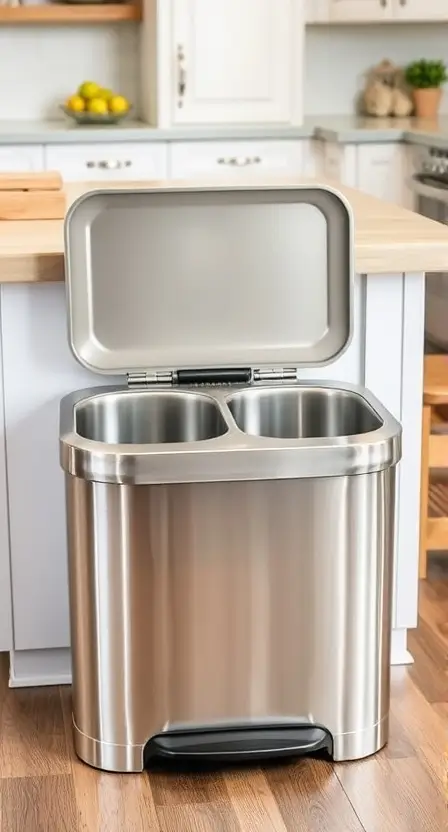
(388, 239)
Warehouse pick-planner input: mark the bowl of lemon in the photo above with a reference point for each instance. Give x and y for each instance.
(93, 104)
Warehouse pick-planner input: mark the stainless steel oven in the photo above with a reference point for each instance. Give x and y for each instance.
(430, 188)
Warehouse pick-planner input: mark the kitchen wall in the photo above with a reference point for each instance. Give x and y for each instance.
(338, 56)
(40, 67)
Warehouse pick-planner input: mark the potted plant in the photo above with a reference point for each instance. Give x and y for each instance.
(426, 79)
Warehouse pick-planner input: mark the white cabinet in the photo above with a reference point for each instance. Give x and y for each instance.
(108, 162)
(236, 159)
(339, 163)
(362, 10)
(222, 61)
(408, 10)
(381, 171)
(375, 11)
(34, 337)
(21, 157)
(316, 11)
(6, 641)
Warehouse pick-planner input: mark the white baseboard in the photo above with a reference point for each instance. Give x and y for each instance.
(35, 668)
(399, 653)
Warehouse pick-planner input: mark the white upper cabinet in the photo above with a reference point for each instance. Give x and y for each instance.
(408, 10)
(223, 61)
(347, 10)
(358, 11)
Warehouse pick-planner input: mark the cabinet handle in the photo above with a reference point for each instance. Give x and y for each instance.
(181, 76)
(239, 161)
(403, 2)
(112, 164)
(383, 3)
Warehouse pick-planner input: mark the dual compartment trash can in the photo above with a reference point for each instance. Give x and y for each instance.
(230, 527)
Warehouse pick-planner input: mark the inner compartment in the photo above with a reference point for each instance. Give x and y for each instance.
(149, 417)
(302, 413)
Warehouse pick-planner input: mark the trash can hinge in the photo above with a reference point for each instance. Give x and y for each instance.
(147, 379)
(215, 376)
(280, 374)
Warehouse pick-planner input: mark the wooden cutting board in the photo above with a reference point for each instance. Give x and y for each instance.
(31, 196)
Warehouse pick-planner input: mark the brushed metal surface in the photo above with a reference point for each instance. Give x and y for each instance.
(228, 276)
(218, 602)
(234, 455)
(151, 417)
(302, 414)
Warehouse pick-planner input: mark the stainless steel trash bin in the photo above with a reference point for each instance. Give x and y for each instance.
(230, 528)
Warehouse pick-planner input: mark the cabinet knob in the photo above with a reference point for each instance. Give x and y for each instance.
(239, 161)
(181, 76)
(109, 164)
(384, 3)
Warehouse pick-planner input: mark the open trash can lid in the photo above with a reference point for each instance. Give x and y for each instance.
(202, 277)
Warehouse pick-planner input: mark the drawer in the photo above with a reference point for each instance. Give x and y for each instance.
(21, 157)
(235, 159)
(108, 162)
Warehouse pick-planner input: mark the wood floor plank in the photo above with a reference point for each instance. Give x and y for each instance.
(433, 609)
(32, 735)
(108, 802)
(394, 796)
(38, 804)
(254, 804)
(172, 788)
(202, 817)
(311, 799)
(419, 723)
(196, 801)
(430, 670)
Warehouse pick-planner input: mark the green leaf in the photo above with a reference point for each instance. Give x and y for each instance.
(425, 74)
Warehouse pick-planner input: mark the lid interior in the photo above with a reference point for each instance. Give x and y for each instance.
(185, 278)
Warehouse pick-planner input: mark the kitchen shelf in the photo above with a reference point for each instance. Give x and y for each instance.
(65, 14)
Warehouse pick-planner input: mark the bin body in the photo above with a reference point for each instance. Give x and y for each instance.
(236, 602)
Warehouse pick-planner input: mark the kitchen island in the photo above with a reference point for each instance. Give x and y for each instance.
(393, 250)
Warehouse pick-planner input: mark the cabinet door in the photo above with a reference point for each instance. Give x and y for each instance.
(362, 10)
(236, 61)
(21, 157)
(381, 171)
(6, 642)
(38, 370)
(108, 162)
(238, 160)
(317, 11)
(419, 10)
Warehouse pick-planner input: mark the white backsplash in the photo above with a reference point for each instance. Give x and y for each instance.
(338, 56)
(41, 66)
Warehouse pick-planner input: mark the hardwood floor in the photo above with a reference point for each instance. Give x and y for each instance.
(44, 788)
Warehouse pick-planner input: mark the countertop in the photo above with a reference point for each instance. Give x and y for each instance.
(388, 238)
(343, 129)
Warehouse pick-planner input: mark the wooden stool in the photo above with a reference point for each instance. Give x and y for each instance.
(433, 530)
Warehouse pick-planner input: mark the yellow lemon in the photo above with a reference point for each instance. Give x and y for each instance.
(118, 104)
(88, 90)
(75, 103)
(98, 106)
(105, 94)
